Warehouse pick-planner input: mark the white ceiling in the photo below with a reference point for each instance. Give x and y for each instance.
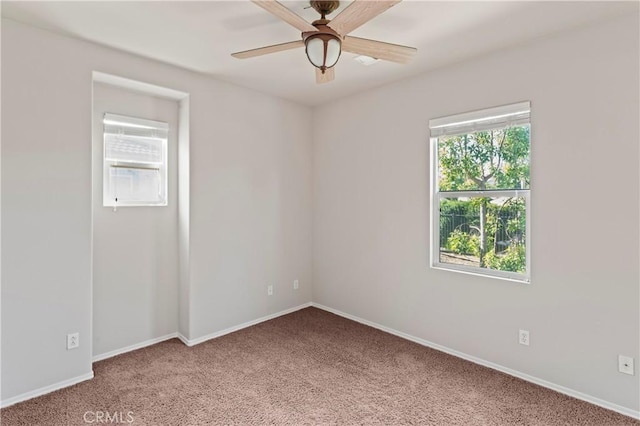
(201, 35)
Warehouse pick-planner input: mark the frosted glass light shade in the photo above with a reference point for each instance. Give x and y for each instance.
(323, 50)
(315, 51)
(333, 53)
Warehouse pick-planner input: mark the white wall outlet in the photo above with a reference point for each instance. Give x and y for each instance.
(73, 340)
(523, 337)
(296, 284)
(625, 364)
(269, 290)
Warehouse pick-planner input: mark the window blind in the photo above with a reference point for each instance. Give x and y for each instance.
(486, 119)
(134, 140)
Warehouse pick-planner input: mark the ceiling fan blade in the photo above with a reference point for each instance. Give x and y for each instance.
(378, 49)
(285, 14)
(358, 13)
(268, 49)
(329, 75)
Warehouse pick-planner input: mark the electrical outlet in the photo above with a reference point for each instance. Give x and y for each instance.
(296, 284)
(523, 337)
(625, 364)
(269, 290)
(73, 340)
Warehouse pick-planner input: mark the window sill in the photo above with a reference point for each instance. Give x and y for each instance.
(485, 273)
(110, 206)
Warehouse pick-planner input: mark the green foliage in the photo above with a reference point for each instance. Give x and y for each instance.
(495, 159)
(505, 222)
(456, 214)
(463, 243)
(515, 154)
(485, 160)
(459, 207)
(512, 259)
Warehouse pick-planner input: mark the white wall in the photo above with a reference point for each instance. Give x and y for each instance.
(46, 212)
(371, 211)
(250, 209)
(250, 201)
(135, 249)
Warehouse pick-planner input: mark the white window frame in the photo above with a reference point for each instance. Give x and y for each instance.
(486, 119)
(160, 131)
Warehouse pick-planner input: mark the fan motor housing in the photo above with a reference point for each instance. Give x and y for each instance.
(323, 29)
(324, 7)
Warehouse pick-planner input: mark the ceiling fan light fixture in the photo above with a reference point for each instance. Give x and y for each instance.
(325, 39)
(323, 50)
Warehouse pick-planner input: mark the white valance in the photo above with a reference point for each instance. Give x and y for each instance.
(486, 119)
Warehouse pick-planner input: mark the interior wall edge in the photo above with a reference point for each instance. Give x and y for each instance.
(202, 339)
(134, 347)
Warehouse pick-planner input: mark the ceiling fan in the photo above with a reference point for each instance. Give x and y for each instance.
(325, 39)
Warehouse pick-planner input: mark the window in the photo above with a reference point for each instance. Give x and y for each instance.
(480, 192)
(135, 161)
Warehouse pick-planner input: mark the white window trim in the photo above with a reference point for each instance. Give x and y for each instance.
(514, 114)
(126, 121)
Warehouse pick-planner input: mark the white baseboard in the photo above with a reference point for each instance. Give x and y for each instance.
(192, 342)
(183, 339)
(70, 382)
(134, 347)
(45, 390)
(570, 392)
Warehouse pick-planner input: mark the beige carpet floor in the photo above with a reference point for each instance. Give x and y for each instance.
(306, 368)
